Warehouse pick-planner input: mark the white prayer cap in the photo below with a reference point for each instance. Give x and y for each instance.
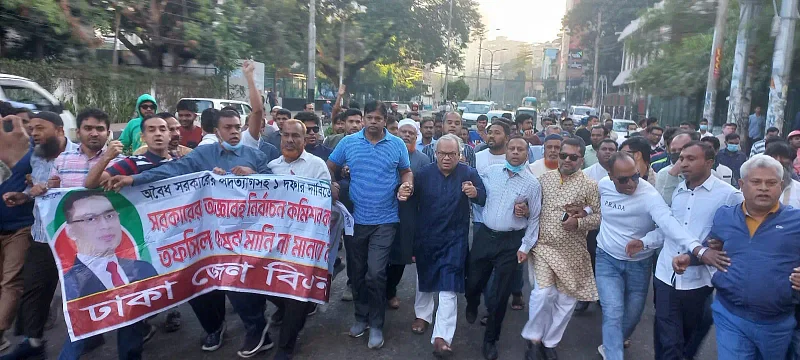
(411, 122)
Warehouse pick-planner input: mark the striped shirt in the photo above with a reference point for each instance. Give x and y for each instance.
(135, 164)
(373, 175)
(42, 168)
(73, 166)
(758, 147)
(502, 193)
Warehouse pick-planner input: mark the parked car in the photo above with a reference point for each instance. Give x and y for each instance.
(242, 107)
(621, 128)
(475, 109)
(577, 113)
(500, 113)
(462, 105)
(28, 93)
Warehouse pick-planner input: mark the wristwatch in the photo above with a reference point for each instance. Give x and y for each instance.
(701, 252)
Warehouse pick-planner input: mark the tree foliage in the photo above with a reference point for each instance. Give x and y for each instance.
(457, 90)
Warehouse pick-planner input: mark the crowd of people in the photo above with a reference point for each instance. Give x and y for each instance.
(588, 216)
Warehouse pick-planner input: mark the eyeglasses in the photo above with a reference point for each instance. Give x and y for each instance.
(312, 129)
(93, 220)
(451, 155)
(624, 179)
(147, 107)
(572, 157)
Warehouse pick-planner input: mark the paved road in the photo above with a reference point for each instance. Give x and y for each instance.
(325, 335)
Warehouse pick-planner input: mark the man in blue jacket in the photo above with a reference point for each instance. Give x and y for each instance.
(756, 252)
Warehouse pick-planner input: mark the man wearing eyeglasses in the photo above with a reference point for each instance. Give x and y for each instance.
(452, 125)
(630, 209)
(131, 137)
(313, 145)
(561, 261)
(680, 299)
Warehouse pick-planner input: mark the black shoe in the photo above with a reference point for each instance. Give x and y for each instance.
(93, 343)
(484, 320)
(213, 341)
(150, 332)
(581, 307)
(472, 314)
(549, 353)
(533, 351)
(26, 351)
(173, 321)
(255, 343)
(489, 351)
(311, 310)
(276, 318)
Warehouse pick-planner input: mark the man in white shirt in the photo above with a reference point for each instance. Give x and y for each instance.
(680, 299)
(600, 170)
(209, 119)
(630, 208)
(785, 154)
(704, 129)
(668, 178)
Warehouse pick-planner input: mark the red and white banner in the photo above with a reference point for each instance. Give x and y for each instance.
(126, 256)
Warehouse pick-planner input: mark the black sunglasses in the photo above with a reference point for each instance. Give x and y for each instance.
(314, 129)
(624, 179)
(148, 107)
(572, 157)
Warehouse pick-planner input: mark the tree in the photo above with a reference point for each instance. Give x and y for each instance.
(457, 90)
(391, 32)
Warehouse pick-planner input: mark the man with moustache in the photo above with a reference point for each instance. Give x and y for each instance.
(597, 134)
(353, 123)
(560, 260)
(426, 133)
(403, 246)
(552, 147)
(504, 240)
(312, 143)
(191, 134)
(445, 191)
(174, 147)
(452, 125)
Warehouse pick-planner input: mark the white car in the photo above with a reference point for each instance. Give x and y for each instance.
(621, 128)
(499, 114)
(577, 113)
(242, 107)
(475, 109)
(27, 93)
(462, 105)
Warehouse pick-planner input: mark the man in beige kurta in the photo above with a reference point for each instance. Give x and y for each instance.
(561, 262)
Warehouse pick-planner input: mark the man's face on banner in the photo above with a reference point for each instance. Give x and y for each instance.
(94, 225)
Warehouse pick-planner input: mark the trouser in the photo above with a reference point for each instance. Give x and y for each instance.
(13, 249)
(210, 310)
(368, 255)
(348, 269)
(250, 308)
(446, 315)
(739, 338)
(492, 251)
(794, 348)
(129, 344)
(516, 286)
(294, 314)
(622, 286)
(549, 314)
(40, 279)
(591, 246)
(693, 346)
(394, 273)
(678, 316)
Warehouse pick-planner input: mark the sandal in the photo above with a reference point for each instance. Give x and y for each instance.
(419, 326)
(517, 303)
(441, 350)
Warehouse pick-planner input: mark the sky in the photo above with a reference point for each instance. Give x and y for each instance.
(523, 20)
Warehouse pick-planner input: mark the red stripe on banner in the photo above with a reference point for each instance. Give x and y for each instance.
(112, 309)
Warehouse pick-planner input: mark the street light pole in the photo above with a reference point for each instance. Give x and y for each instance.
(491, 70)
(447, 51)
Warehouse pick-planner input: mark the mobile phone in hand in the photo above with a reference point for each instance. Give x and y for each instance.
(8, 126)
(564, 217)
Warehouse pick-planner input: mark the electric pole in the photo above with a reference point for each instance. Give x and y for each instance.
(710, 102)
(596, 58)
(782, 64)
(447, 52)
(311, 83)
(478, 81)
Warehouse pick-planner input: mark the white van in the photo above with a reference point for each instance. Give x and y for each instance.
(242, 107)
(25, 91)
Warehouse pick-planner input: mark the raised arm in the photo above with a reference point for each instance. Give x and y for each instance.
(337, 107)
(255, 121)
(98, 172)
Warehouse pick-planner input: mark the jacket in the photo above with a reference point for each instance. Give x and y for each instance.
(131, 137)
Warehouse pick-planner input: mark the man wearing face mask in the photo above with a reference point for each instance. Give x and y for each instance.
(732, 157)
(704, 129)
(228, 156)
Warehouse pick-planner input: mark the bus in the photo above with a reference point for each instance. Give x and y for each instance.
(529, 102)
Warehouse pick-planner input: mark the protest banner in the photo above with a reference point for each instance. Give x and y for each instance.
(126, 256)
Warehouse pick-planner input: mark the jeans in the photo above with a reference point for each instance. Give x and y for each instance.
(794, 348)
(739, 338)
(679, 315)
(129, 344)
(622, 286)
(367, 257)
(492, 251)
(516, 287)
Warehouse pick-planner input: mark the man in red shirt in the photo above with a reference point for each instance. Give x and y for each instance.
(191, 135)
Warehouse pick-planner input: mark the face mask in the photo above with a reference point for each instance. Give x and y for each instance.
(673, 157)
(230, 147)
(733, 147)
(515, 169)
(704, 127)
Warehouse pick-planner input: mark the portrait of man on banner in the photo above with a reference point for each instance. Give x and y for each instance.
(93, 225)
